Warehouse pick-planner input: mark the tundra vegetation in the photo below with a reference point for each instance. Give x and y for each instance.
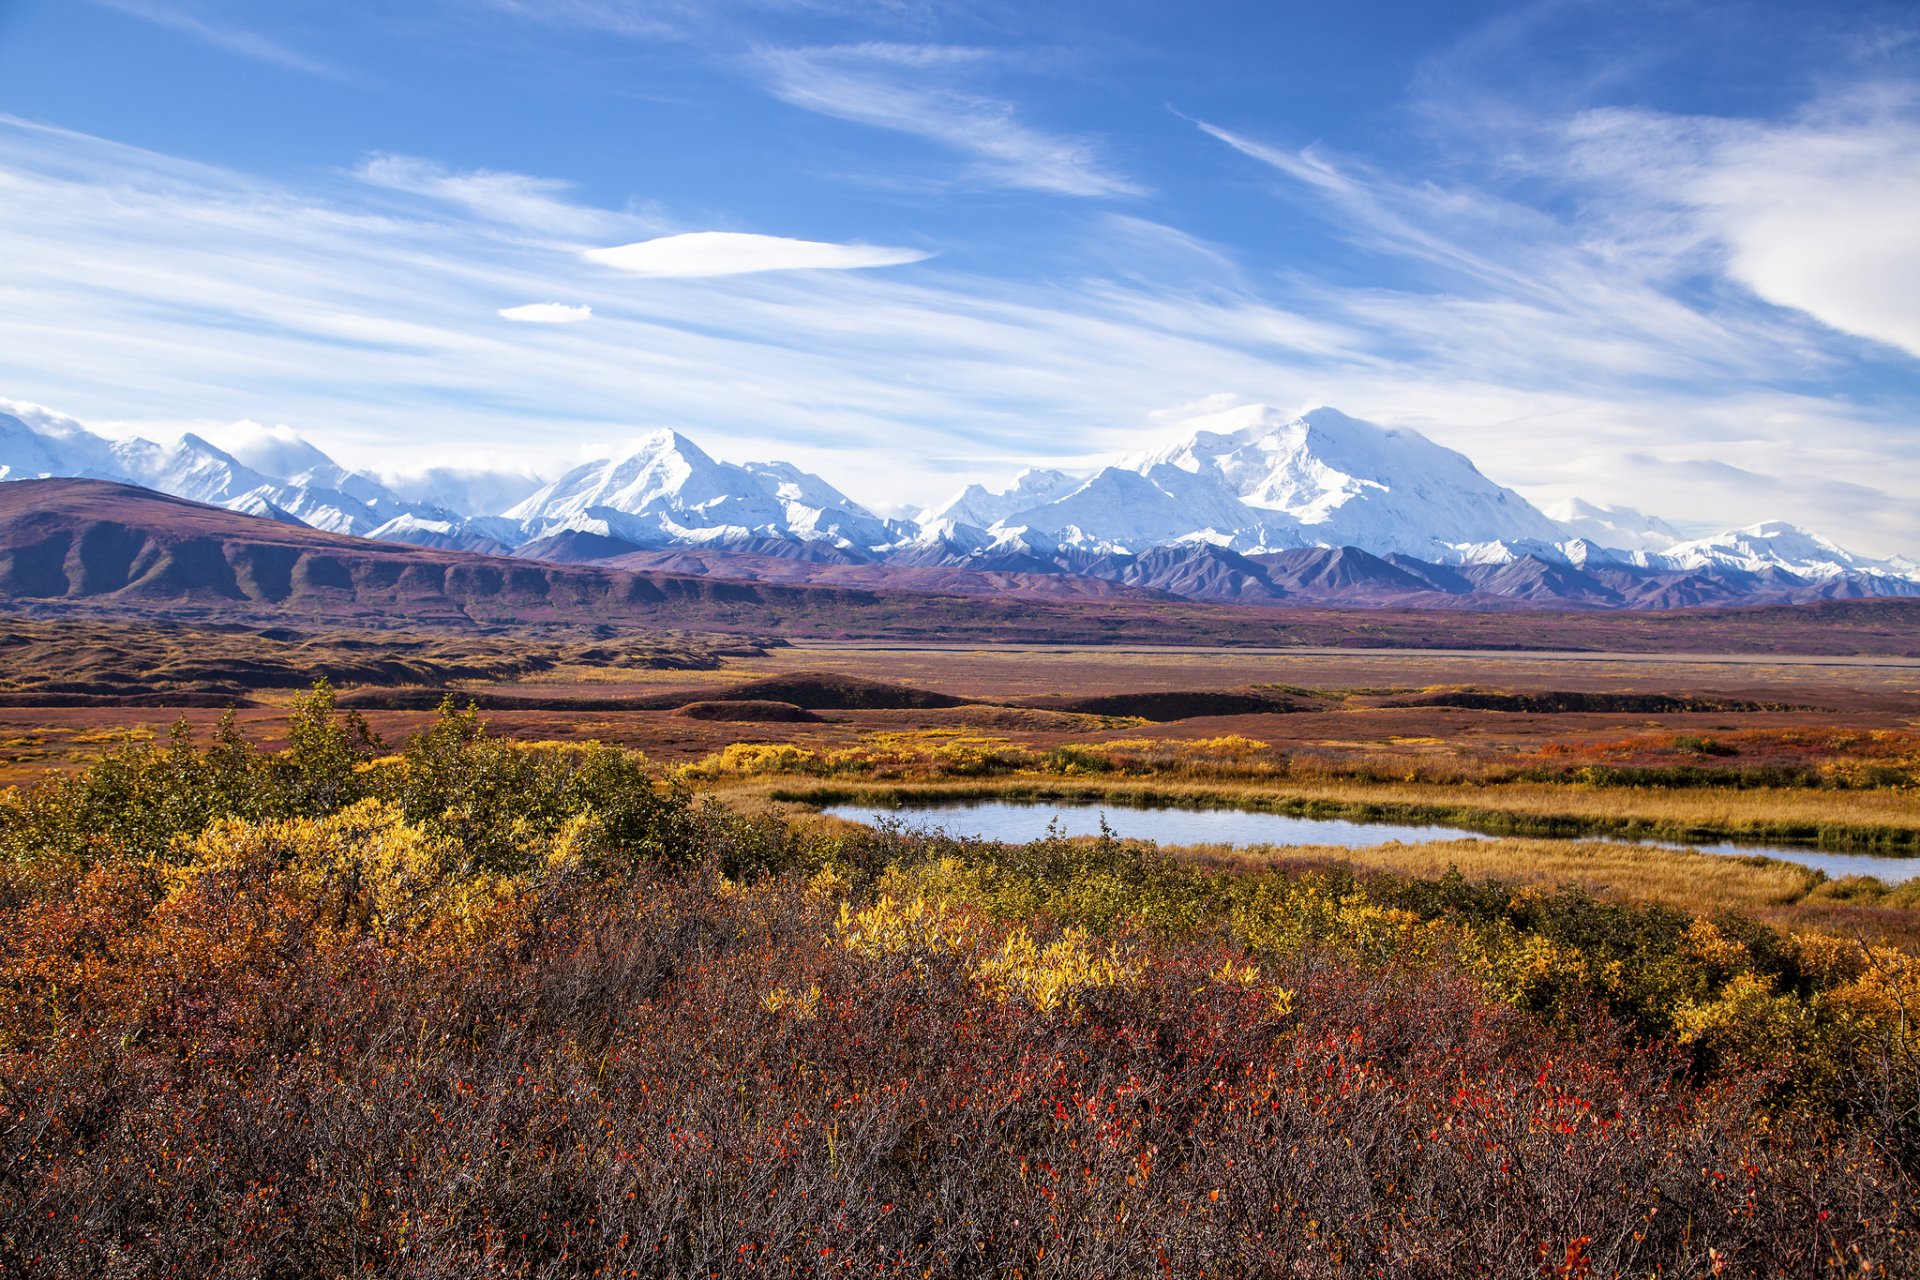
(1858, 790)
(483, 1007)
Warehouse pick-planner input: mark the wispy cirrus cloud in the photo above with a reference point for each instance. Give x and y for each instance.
(924, 90)
(1625, 285)
(735, 253)
(687, 19)
(232, 39)
(516, 199)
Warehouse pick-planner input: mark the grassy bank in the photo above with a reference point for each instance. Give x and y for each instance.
(1784, 894)
(1855, 822)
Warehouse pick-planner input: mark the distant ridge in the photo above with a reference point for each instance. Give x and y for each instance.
(94, 547)
(1246, 506)
(96, 542)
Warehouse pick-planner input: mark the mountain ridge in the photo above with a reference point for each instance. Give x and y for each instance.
(1381, 515)
(90, 548)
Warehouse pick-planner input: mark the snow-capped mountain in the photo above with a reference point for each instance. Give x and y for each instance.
(667, 490)
(1250, 505)
(282, 475)
(1771, 545)
(980, 507)
(1335, 481)
(1254, 479)
(189, 468)
(35, 442)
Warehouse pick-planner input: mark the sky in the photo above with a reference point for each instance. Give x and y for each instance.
(1660, 254)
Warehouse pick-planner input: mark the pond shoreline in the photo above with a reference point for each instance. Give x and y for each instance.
(1841, 838)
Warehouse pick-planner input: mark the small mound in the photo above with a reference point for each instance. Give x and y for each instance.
(1174, 704)
(756, 710)
(825, 691)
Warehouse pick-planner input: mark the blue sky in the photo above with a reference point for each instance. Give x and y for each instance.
(1660, 254)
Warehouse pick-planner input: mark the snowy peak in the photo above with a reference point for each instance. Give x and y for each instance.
(276, 451)
(1256, 479)
(666, 488)
(981, 507)
(815, 511)
(323, 494)
(191, 467)
(1770, 545)
(27, 454)
(1353, 483)
(663, 470)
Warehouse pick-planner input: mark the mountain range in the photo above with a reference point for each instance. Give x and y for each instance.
(1250, 505)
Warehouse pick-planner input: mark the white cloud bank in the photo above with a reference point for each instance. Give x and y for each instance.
(1821, 214)
(735, 253)
(546, 313)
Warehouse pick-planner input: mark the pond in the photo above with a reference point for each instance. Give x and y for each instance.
(1018, 822)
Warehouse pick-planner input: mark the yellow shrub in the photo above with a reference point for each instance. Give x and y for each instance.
(889, 928)
(1051, 978)
(827, 883)
(1230, 974)
(755, 757)
(364, 869)
(1231, 746)
(803, 1006)
(1828, 960)
(1714, 950)
(1294, 915)
(1525, 970)
(1746, 1020)
(1881, 1004)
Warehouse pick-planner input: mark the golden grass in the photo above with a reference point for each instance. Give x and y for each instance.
(1698, 882)
(1715, 808)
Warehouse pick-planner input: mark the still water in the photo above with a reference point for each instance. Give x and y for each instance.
(1018, 822)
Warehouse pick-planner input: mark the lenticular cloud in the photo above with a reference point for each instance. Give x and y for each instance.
(732, 253)
(547, 313)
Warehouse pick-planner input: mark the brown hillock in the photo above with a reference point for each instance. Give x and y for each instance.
(74, 662)
(747, 710)
(1174, 704)
(70, 541)
(827, 691)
